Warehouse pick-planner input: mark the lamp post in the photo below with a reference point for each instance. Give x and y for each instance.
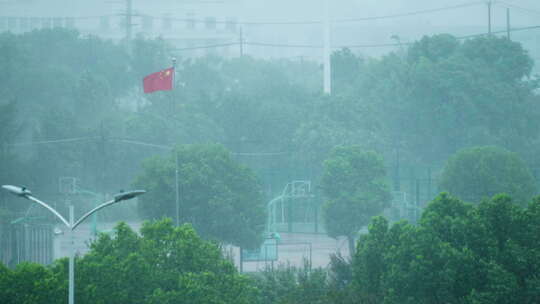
(71, 224)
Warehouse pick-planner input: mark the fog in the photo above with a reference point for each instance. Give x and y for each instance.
(295, 143)
(461, 18)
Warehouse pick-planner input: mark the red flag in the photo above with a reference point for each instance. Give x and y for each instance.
(159, 81)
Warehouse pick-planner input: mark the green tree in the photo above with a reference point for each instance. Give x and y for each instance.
(479, 172)
(458, 253)
(164, 264)
(29, 283)
(454, 95)
(220, 197)
(355, 187)
(292, 285)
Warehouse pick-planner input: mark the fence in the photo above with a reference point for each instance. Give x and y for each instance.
(26, 243)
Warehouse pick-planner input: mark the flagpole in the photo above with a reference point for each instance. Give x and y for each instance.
(174, 151)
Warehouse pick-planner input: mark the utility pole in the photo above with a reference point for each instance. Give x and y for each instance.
(508, 23)
(241, 42)
(327, 61)
(489, 16)
(129, 23)
(397, 180)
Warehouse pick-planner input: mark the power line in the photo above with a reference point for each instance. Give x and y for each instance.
(351, 46)
(260, 154)
(314, 22)
(415, 13)
(284, 45)
(304, 22)
(205, 46)
(61, 17)
(66, 140)
(506, 4)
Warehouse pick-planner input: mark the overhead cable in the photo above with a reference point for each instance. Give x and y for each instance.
(210, 46)
(351, 46)
(524, 9)
(421, 12)
(302, 22)
(56, 141)
(312, 22)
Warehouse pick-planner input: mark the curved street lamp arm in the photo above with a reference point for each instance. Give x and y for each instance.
(87, 214)
(48, 208)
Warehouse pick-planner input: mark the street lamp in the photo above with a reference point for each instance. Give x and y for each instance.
(72, 224)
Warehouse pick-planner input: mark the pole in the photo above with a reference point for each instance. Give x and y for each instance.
(397, 181)
(430, 193)
(417, 204)
(241, 42)
(129, 23)
(489, 17)
(71, 258)
(241, 261)
(508, 23)
(327, 61)
(177, 190)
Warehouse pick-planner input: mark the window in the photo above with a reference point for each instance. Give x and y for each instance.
(231, 25)
(210, 23)
(147, 23)
(23, 23)
(46, 22)
(104, 23)
(34, 23)
(167, 23)
(11, 23)
(70, 23)
(190, 22)
(57, 22)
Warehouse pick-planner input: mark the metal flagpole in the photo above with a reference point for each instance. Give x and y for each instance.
(176, 153)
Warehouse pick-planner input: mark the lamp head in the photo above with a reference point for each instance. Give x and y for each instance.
(122, 196)
(18, 191)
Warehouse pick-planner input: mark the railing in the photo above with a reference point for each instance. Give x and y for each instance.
(26, 243)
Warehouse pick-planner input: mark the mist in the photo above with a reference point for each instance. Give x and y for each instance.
(343, 149)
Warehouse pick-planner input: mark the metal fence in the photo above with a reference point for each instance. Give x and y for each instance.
(26, 243)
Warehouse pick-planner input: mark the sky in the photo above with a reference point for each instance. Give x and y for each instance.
(458, 17)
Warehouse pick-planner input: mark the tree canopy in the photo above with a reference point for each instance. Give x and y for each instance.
(479, 172)
(354, 184)
(458, 253)
(220, 197)
(164, 264)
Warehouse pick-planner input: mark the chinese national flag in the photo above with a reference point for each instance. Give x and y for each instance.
(159, 81)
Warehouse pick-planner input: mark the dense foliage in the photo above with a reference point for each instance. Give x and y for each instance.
(354, 184)
(287, 284)
(424, 103)
(419, 106)
(458, 253)
(445, 94)
(164, 264)
(221, 198)
(479, 172)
